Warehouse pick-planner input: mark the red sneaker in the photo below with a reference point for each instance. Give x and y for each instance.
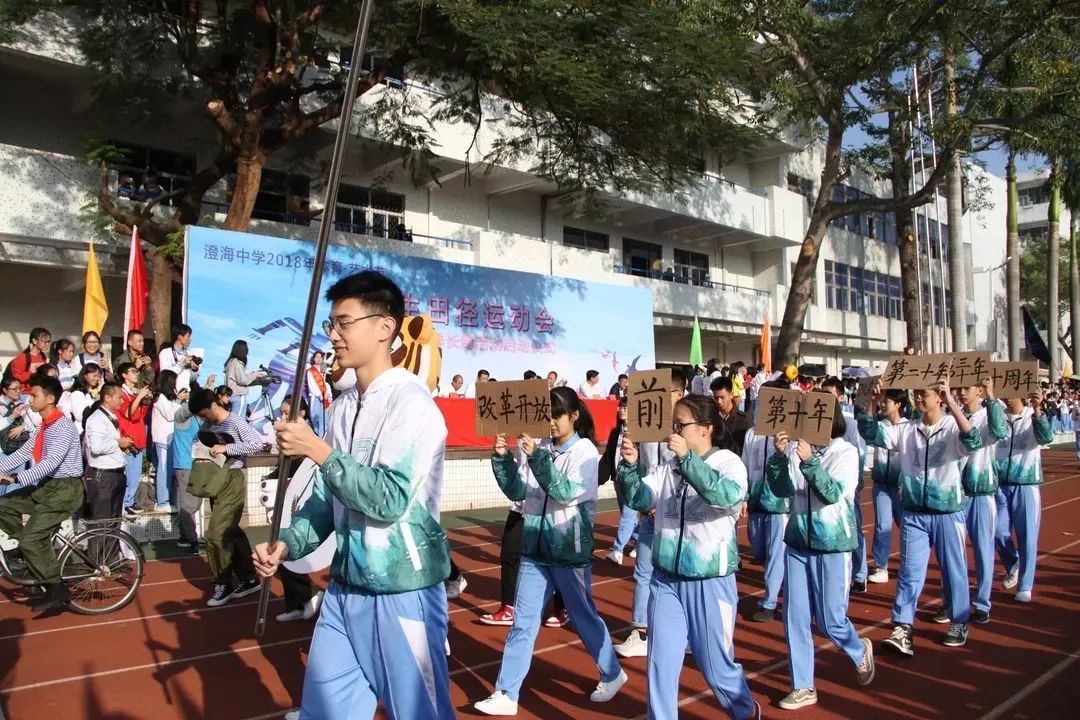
(558, 621)
(504, 616)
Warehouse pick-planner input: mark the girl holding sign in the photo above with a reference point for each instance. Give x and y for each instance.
(698, 495)
(557, 488)
(820, 536)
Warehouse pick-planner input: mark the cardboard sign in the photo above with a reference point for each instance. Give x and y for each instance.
(522, 407)
(803, 416)
(648, 405)
(916, 372)
(1014, 379)
(862, 393)
(969, 368)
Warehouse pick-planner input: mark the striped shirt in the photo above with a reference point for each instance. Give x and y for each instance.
(61, 457)
(249, 440)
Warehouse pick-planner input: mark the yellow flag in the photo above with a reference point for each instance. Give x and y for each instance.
(95, 309)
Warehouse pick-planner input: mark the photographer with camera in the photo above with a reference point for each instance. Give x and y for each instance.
(136, 356)
(176, 357)
(238, 378)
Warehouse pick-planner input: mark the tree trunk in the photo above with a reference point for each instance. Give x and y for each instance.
(161, 282)
(789, 341)
(899, 146)
(1012, 252)
(1053, 268)
(954, 201)
(1074, 293)
(248, 178)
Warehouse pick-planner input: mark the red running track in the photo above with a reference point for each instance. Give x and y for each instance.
(168, 656)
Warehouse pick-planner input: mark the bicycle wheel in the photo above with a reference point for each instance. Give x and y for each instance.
(104, 576)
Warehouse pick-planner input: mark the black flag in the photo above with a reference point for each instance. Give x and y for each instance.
(1035, 343)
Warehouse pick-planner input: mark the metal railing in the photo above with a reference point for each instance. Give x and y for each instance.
(679, 279)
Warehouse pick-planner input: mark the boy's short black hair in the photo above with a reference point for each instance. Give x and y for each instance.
(678, 378)
(373, 290)
(720, 383)
(201, 400)
(49, 386)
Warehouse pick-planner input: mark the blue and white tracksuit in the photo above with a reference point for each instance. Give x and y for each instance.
(628, 517)
(888, 509)
(557, 486)
(695, 556)
(650, 455)
(768, 516)
(1018, 462)
(980, 485)
(859, 567)
(934, 508)
(381, 633)
(820, 537)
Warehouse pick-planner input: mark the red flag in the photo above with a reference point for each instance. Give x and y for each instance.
(138, 286)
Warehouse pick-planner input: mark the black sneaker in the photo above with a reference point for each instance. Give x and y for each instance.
(184, 544)
(131, 513)
(764, 615)
(941, 617)
(957, 636)
(55, 597)
(900, 640)
(222, 594)
(247, 587)
(980, 616)
(858, 586)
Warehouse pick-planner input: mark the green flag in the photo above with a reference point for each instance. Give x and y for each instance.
(695, 344)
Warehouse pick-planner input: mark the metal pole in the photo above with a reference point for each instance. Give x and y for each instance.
(330, 201)
(915, 229)
(937, 218)
(926, 218)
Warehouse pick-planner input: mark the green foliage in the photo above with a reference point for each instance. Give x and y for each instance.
(1033, 286)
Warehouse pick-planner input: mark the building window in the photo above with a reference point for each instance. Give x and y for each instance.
(802, 186)
(696, 164)
(853, 289)
(643, 258)
(691, 267)
(942, 311)
(369, 211)
(146, 173)
(896, 299)
(585, 239)
(282, 197)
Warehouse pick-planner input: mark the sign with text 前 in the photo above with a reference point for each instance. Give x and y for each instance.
(522, 407)
(803, 416)
(1014, 379)
(648, 405)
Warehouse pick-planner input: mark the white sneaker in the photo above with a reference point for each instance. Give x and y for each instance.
(880, 575)
(291, 616)
(1011, 579)
(1023, 596)
(633, 553)
(166, 508)
(292, 715)
(498, 704)
(606, 690)
(615, 556)
(454, 588)
(448, 647)
(311, 609)
(635, 646)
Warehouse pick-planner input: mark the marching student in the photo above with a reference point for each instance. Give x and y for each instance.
(700, 492)
(48, 492)
(931, 453)
(820, 536)
(557, 487)
(1018, 464)
(381, 634)
(885, 475)
(980, 484)
(835, 386)
(768, 517)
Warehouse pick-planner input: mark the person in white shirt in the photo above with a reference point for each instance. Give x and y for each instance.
(62, 356)
(105, 449)
(591, 390)
(176, 357)
(455, 389)
(84, 392)
(481, 377)
(161, 432)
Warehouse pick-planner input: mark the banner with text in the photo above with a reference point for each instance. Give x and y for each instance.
(242, 286)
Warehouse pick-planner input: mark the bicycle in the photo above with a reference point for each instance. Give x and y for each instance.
(100, 563)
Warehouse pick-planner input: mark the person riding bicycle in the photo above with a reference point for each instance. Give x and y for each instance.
(49, 491)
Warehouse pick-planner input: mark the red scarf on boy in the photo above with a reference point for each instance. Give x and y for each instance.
(39, 441)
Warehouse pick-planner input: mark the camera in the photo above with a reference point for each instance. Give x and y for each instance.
(270, 379)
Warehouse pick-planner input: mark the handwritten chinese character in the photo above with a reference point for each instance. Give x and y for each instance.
(210, 252)
(777, 411)
(466, 313)
(651, 405)
(819, 413)
(439, 310)
(799, 413)
(506, 408)
(485, 407)
(544, 321)
(542, 408)
(493, 316)
(519, 318)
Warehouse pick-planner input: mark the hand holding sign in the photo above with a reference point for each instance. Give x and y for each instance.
(629, 450)
(798, 415)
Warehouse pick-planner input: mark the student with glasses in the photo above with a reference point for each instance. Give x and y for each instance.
(26, 363)
(698, 494)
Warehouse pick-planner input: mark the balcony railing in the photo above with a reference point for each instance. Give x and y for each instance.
(681, 279)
